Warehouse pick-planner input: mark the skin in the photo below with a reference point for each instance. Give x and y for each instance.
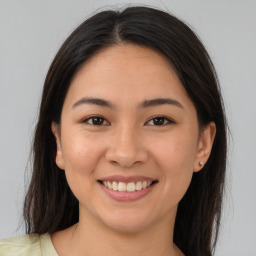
(128, 142)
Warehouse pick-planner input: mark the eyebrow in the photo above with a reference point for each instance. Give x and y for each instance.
(144, 104)
(160, 101)
(94, 101)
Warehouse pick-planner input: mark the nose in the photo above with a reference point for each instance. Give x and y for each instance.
(126, 149)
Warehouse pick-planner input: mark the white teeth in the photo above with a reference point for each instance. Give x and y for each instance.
(144, 184)
(121, 187)
(139, 185)
(127, 187)
(130, 187)
(109, 185)
(114, 186)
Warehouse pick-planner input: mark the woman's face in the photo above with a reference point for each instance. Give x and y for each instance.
(129, 139)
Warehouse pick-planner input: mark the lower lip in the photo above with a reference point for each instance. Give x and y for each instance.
(127, 196)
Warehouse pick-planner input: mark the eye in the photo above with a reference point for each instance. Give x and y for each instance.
(159, 120)
(96, 120)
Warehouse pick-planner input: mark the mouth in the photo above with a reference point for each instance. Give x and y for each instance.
(124, 189)
(130, 187)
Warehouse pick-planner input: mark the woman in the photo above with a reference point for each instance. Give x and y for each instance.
(130, 145)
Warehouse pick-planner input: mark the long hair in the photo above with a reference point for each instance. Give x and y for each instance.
(50, 205)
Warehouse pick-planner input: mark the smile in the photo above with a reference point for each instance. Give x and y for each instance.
(127, 187)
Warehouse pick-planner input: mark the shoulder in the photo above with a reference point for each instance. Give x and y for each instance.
(23, 245)
(28, 245)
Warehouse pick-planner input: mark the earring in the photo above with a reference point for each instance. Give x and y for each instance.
(201, 164)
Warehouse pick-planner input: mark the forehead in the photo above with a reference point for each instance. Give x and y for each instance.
(126, 73)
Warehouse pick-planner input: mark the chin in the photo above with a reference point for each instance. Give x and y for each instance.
(128, 222)
(127, 228)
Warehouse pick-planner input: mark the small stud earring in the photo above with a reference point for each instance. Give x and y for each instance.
(201, 164)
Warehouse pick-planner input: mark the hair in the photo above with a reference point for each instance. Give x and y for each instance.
(50, 205)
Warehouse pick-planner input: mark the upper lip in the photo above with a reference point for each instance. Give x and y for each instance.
(126, 179)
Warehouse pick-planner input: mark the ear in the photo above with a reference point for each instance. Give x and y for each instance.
(204, 148)
(59, 154)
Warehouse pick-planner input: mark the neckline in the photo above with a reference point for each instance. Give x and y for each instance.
(46, 245)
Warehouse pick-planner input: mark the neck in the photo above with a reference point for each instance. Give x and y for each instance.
(91, 237)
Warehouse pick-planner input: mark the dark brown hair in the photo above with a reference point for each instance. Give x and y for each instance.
(50, 205)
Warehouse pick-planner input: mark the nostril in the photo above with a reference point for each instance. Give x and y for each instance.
(114, 162)
(126, 157)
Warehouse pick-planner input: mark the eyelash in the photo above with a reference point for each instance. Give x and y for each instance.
(87, 120)
(164, 120)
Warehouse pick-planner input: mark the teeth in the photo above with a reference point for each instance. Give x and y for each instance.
(144, 184)
(121, 187)
(139, 185)
(109, 185)
(130, 187)
(127, 187)
(114, 186)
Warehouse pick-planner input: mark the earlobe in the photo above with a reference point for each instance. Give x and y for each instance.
(204, 146)
(59, 156)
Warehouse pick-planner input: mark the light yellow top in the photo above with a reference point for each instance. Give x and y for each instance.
(28, 245)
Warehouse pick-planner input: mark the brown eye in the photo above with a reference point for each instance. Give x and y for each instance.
(96, 120)
(159, 120)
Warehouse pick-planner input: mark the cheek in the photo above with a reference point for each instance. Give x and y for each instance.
(175, 158)
(177, 151)
(80, 153)
(81, 156)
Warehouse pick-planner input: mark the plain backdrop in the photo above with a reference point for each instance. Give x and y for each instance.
(31, 33)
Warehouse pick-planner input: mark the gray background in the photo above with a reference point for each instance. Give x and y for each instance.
(31, 33)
